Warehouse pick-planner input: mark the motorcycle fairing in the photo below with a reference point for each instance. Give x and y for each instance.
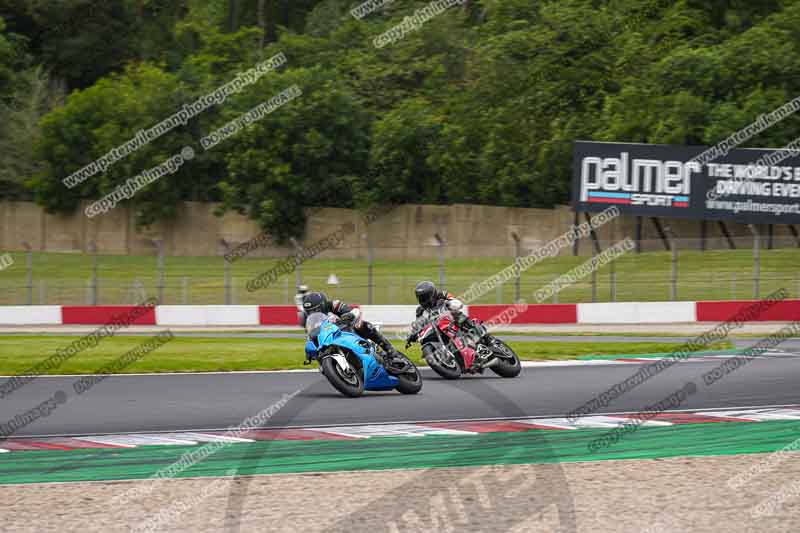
(375, 376)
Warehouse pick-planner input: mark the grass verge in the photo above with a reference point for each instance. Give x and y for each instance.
(197, 354)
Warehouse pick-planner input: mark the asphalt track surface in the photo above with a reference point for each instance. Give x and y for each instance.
(175, 402)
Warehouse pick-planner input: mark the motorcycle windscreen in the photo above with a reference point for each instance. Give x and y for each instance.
(313, 323)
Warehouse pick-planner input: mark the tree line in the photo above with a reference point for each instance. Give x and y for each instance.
(479, 104)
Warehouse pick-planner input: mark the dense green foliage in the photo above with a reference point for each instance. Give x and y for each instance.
(480, 105)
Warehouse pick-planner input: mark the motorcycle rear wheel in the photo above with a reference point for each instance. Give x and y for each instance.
(350, 383)
(448, 369)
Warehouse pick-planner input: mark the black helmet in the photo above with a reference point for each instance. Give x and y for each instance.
(426, 293)
(314, 302)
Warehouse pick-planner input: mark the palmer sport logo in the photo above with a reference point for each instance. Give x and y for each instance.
(622, 180)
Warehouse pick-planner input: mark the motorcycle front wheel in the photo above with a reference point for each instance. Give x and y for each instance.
(444, 365)
(508, 364)
(410, 381)
(348, 381)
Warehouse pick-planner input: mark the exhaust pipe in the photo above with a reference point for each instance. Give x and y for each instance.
(493, 361)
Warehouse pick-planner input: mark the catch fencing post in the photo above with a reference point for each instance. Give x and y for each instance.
(159, 244)
(594, 279)
(227, 282)
(298, 271)
(226, 247)
(757, 260)
(160, 272)
(612, 279)
(674, 248)
(440, 244)
(518, 277)
(29, 276)
(137, 292)
(673, 292)
(93, 285)
(370, 263)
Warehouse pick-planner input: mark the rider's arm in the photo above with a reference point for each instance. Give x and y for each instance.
(346, 312)
(339, 308)
(417, 326)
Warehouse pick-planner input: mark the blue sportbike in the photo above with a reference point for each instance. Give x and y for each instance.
(351, 363)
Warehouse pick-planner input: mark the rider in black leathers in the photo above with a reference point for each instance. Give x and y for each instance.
(429, 298)
(317, 302)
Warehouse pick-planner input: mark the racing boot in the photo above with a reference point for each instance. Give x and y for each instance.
(394, 361)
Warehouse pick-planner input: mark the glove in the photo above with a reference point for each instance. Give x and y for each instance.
(411, 339)
(352, 317)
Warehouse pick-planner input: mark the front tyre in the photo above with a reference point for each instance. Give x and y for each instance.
(445, 365)
(410, 382)
(348, 381)
(507, 365)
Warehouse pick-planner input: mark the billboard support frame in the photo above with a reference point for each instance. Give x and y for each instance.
(796, 236)
(724, 229)
(576, 242)
(770, 232)
(756, 260)
(638, 234)
(703, 234)
(595, 240)
(661, 233)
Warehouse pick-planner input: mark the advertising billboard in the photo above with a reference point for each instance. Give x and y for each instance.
(747, 185)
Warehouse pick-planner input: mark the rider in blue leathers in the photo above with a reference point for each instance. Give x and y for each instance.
(317, 302)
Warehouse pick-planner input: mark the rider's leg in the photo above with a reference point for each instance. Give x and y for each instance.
(369, 331)
(394, 361)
